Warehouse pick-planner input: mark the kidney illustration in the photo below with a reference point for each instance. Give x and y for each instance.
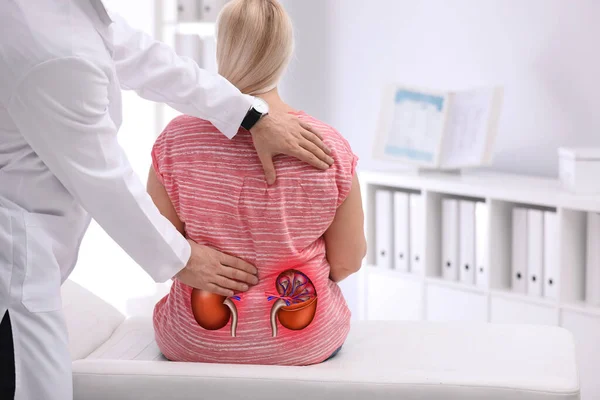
(213, 311)
(296, 301)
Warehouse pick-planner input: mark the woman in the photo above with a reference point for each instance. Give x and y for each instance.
(304, 233)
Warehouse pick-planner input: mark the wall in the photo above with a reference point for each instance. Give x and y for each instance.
(307, 83)
(347, 50)
(543, 51)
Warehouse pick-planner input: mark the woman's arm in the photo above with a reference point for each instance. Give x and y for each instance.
(345, 241)
(161, 199)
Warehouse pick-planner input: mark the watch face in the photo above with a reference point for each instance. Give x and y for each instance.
(261, 106)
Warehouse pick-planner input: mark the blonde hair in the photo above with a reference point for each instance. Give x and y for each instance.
(255, 42)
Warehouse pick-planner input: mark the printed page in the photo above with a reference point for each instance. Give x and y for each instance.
(416, 126)
(470, 126)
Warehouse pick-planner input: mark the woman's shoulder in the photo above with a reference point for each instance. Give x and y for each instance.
(331, 137)
(183, 124)
(185, 131)
(344, 166)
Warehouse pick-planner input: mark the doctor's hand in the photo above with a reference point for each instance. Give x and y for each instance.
(215, 272)
(283, 133)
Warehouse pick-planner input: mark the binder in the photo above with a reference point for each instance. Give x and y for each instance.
(401, 232)
(467, 242)
(551, 254)
(519, 250)
(450, 235)
(199, 10)
(481, 244)
(417, 239)
(189, 10)
(535, 252)
(211, 9)
(383, 228)
(592, 279)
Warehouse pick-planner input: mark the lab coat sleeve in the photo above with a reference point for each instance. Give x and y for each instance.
(61, 109)
(156, 73)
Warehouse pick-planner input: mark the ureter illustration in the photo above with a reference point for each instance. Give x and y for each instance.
(278, 305)
(234, 315)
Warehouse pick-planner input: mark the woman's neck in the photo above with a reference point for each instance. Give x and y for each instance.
(275, 102)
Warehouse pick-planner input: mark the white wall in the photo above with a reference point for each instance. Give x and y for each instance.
(545, 52)
(103, 267)
(307, 84)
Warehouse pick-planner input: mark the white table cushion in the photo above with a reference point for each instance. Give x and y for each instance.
(90, 320)
(380, 360)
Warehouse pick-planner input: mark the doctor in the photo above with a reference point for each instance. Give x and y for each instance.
(62, 67)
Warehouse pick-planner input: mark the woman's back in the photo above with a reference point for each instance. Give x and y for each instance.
(219, 192)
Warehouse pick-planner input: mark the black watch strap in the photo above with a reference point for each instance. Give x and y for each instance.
(252, 117)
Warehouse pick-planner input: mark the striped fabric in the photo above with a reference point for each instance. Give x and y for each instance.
(218, 189)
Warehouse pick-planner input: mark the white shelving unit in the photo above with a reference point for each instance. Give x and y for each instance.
(393, 295)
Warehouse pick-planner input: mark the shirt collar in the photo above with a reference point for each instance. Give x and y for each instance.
(102, 11)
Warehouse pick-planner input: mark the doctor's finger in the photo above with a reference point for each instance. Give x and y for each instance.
(309, 133)
(230, 284)
(266, 160)
(316, 141)
(308, 127)
(313, 148)
(237, 275)
(211, 287)
(308, 157)
(241, 265)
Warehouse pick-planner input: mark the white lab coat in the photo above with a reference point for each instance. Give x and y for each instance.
(62, 67)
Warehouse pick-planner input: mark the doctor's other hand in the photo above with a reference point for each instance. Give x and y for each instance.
(283, 133)
(215, 272)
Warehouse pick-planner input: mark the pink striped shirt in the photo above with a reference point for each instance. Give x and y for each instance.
(218, 189)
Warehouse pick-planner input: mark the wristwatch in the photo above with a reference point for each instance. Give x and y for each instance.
(259, 109)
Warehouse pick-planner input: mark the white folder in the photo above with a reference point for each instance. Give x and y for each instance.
(401, 232)
(450, 236)
(535, 252)
(519, 250)
(417, 239)
(211, 9)
(199, 10)
(467, 242)
(189, 10)
(551, 254)
(383, 228)
(592, 279)
(481, 244)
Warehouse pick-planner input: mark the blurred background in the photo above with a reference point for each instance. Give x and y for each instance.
(544, 53)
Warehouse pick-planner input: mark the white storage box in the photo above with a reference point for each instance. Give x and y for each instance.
(579, 169)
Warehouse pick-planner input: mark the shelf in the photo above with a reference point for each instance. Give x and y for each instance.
(541, 301)
(375, 270)
(204, 29)
(582, 308)
(456, 285)
(518, 189)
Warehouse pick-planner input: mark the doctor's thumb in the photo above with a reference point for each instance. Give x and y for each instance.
(267, 163)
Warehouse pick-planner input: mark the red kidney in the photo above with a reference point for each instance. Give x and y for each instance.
(296, 302)
(213, 311)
